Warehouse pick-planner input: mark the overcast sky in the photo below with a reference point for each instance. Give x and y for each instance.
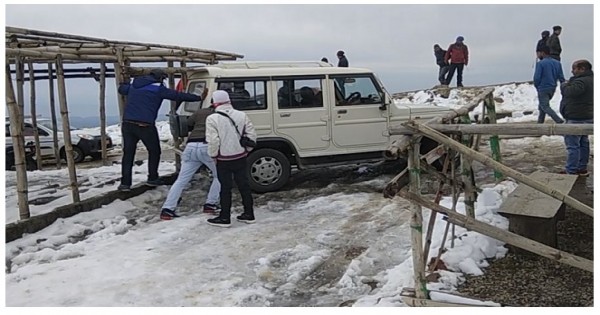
(394, 40)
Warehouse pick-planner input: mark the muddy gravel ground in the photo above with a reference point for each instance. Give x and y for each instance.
(531, 280)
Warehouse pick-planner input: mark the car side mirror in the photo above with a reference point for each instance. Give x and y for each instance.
(385, 99)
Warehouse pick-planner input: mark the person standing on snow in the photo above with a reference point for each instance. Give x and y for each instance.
(547, 72)
(439, 54)
(144, 97)
(458, 57)
(224, 129)
(577, 107)
(553, 43)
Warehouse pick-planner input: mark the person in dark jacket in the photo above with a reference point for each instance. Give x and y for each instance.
(144, 97)
(547, 72)
(193, 157)
(577, 107)
(553, 43)
(458, 57)
(541, 44)
(439, 54)
(342, 60)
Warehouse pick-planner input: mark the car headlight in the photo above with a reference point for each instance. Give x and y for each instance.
(85, 136)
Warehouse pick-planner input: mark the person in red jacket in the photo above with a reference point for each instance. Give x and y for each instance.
(457, 56)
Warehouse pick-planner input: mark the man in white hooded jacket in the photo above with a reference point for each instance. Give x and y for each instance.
(224, 146)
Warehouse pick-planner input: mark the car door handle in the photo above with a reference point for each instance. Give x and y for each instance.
(342, 111)
(285, 115)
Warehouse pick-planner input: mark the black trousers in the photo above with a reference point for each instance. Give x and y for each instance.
(227, 172)
(132, 133)
(459, 71)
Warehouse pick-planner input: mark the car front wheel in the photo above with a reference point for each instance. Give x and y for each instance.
(78, 155)
(268, 170)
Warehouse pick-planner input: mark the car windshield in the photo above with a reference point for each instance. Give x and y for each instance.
(48, 124)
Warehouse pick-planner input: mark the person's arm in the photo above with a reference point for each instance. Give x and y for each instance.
(537, 75)
(212, 136)
(448, 54)
(249, 128)
(124, 88)
(173, 95)
(572, 88)
(561, 76)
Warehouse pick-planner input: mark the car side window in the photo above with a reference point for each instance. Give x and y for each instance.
(246, 94)
(356, 90)
(198, 88)
(299, 93)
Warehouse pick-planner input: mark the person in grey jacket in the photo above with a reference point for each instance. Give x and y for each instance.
(224, 129)
(577, 107)
(193, 157)
(554, 43)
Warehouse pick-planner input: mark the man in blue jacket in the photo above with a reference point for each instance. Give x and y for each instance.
(547, 72)
(144, 97)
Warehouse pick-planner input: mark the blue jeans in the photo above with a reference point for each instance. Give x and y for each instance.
(578, 149)
(544, 108)
(194, 155)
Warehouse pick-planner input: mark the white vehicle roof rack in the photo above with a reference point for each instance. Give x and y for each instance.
(271, 64)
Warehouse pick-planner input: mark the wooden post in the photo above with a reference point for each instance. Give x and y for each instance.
(103, 113)
(487, 161)
(173, 111)
(20, 73)
(488, 102)
(432, 216)
(16, 132)
(502, 235)
(120, 77)
(481, 122)
(36, 133)
(53, 116)
(64, 112)
(416, 221)
(467, 173)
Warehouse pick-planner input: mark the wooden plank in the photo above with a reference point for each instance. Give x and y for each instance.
(527, 201)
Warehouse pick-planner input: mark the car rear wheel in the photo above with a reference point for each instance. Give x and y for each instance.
(268, 170)
(78, 155)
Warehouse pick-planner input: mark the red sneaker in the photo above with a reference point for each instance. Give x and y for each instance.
(211, 209)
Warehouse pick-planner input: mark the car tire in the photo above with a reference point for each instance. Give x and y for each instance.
(268, 170)
(96, 156)
(78, 155)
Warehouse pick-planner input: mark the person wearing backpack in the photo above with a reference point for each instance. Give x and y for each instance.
(230, 135)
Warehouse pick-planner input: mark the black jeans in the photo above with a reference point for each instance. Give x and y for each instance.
(227, 172)
(442, 73)
(132, 133)
(459, 71)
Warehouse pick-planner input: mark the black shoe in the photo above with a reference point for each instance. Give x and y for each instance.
(155, 182)
(246, 218)
(167, 214)
(459, 86)
(124, 187)
(220, 222)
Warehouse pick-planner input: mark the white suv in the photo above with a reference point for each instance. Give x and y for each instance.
(305, 114)
(84, 142)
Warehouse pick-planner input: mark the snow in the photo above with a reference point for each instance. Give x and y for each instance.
(123, 255)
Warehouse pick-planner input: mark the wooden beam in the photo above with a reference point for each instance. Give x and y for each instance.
(502, 235)
(120, 78)
(416, 222)
(102, 102)
(506, 129)
(32, 105)
(53, 118)
(487, 161)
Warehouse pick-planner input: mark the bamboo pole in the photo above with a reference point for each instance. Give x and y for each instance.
(494, 141)
(16, 133)
(20, 75)
(416, 223)
(103, 113)
(502, 235)
(21, 32)
(400, 146)
(480, 122)
(64, 112)
(507, 129)
(119, 78)
(32, 104)
(487, 161)
(53, 119)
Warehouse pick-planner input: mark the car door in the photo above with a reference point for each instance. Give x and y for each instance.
(300, 114)
(359, 119)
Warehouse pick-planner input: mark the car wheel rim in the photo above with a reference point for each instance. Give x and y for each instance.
(266, 171)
